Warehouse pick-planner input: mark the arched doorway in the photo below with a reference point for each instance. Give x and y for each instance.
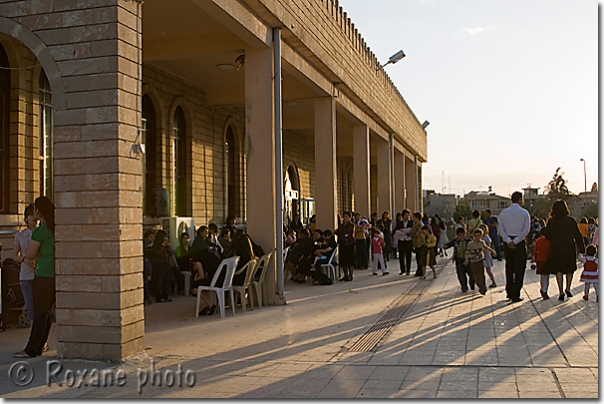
(291, 190)
(5, 87)
(179, 139)
(149, 162)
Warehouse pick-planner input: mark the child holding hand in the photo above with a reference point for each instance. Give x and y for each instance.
(541, 251)
(589, 276)
(428, 251)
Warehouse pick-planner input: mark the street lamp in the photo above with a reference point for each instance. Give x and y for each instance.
(393, 59)
(584, 173)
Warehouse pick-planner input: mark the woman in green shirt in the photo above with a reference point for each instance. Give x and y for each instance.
(41, 256)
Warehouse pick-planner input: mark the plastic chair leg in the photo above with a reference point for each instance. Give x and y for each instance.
(243, 299)
(251, 297)
(198, 302)
(233, 301)
(221, 302)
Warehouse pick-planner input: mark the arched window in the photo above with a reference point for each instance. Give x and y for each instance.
(231, 155)
(5, 87)
(179, 150)
(149, 165)
(45, 97)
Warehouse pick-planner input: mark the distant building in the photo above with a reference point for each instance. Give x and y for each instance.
(440, 204)
(582, 202)
(483, 200)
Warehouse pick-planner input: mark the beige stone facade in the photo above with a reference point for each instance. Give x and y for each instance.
(193, 81)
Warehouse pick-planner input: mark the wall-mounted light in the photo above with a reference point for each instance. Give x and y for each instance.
(393, 59)
(225, 67)
(425, 124)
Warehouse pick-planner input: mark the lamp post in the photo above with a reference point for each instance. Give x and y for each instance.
(393, 59)
(584, 173)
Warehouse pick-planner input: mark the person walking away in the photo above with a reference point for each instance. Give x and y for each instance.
(360, 234)
(583, 228)
(488, 258)
(514, 225)
(435, 228)
(40, 255)
(26, 273)
(591, 228)
(442, 238)
(475, 253)
(405, 243)
(459, 245)
(492, 223)
(428, 251)
(589, 276)
(566, 238)
(346, 241)
(377, 245)
(541, 251)
(416, 237)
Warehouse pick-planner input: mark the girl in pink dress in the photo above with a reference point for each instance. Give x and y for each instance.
(589, 276)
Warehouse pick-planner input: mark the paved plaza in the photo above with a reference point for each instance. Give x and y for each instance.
(376, 337)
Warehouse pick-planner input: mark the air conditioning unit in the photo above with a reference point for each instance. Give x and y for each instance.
(175, 226)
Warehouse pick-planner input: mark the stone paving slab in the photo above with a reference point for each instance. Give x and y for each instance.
(447, 345)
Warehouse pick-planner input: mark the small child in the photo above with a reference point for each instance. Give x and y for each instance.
(541, 251)
(377, 245)
(475, 257)
(428, 251)
(488, 258)
(590, 270)
(291, 238)
(459, 245)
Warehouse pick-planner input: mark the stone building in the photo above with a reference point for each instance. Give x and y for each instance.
(87, 84)
(482, 200)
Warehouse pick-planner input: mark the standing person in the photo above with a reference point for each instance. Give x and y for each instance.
(386, 223)
(462, 268)
(461, 224)
(492, 222)
(514, 225)
(405, 243)
(41, 256)
(566, 238)
(583, 228)
(183, 259)
(589, 276)
(475, 252)
(442, 239)
(360, 234)
(488, 258)
(474, 222)
(427, 252)
(26, 273)
(345, 233)
(591, 228)
(377, 245)
(541, 251)
(161, 254)
(435, 227)
(395, 223)
(416, 237)
(230, 224)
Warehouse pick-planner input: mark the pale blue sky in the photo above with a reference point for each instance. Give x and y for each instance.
(510, 87)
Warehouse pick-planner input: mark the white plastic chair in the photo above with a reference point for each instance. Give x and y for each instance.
(258, 286)
(251, 268)
(229, 265)
(331, 270)
(285, 252)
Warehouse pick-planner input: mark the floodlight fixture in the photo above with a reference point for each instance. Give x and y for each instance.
(393, 59)
(425, 124)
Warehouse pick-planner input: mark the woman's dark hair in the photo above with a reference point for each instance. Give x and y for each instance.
(591, 250)
(47, 209)
(433, 222)
(319, 231)
(199, 231)
(476, 213)
(459, 219)
(591, 220)
(29, 210)
(181, 239)
(243, 244)
(213, 228)
(225, 231)
(583, 220)
(148, 233)
(347, 213)
(405, 211)
(230, 218)
(304, 232)
(385, 213)
(559, 208)
(418, 215)
(160, 237)
(327, 233)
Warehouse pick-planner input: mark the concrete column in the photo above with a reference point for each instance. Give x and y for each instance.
(260, 140)
(384, 177)
(98, 182)
(325, 163)
(362, 164)
(411, 185)
(399, 181)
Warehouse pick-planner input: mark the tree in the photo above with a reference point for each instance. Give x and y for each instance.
(594, 187)
(590, 210)
(462, 209)
(557, 189)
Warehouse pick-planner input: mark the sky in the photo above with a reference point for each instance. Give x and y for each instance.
(510, 88)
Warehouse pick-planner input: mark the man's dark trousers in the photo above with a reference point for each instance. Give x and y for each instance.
(463, 273)
(515, 264)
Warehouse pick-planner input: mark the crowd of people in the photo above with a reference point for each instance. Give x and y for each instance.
(201, 257)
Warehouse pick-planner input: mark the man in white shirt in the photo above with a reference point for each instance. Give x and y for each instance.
(514, 225)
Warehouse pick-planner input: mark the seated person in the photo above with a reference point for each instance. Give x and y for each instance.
(243, 248)
(203, 278)
(225, 240)
(202, 244)
(321, 254)
(301, 248)
(213, 238)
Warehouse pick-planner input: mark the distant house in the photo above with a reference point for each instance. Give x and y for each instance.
(439, 204)
(483, 200)
(581, 202)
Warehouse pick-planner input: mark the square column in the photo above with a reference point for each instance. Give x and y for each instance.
(384, 177)
(260, 143)
(325, 163)
(98, 184)
(362, 165)
(411, 185)
(399, 181)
